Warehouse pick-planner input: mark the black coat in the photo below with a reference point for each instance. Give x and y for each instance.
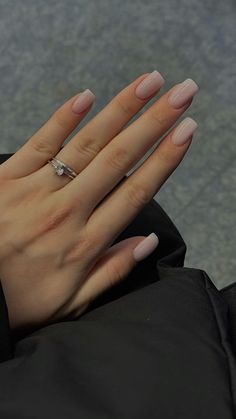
(159, 345)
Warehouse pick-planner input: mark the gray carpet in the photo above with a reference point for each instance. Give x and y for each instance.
(51, 49)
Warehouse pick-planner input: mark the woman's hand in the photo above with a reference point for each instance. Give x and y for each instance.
(56, 232)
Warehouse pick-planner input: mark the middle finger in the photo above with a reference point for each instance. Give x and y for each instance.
(126, 149)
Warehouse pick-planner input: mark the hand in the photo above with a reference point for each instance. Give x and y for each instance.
(56, 232)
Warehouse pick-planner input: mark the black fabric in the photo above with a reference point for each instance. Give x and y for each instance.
(229, 294)
(158, 345)
(6, 341)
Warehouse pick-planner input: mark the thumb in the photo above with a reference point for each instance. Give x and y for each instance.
(117, 262)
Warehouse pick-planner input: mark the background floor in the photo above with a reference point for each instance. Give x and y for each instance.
(51, 49)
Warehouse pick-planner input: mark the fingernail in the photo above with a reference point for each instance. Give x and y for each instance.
(151, 84)
(82, 102)
(146, 247)
(183, 93)
(183, 131)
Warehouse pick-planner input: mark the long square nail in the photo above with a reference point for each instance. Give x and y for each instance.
(150, 85)
(183, 93)
(184, 131)
(83, 101)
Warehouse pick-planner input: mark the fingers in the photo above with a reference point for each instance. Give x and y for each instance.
(113, 267)
(117, 210)
(46, 142)
(98, 132)
(121, 154)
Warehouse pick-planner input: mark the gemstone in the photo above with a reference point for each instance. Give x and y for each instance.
(60, 171)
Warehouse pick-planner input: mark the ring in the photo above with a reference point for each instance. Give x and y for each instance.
(61, 168)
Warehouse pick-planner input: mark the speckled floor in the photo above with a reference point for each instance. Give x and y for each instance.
(50, 49)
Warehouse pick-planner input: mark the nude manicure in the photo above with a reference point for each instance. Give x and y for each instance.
(184, 131)
(150, 85)
(82, 102)
(183, 93)
(146, 247)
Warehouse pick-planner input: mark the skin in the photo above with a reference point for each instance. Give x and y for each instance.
(56, 233)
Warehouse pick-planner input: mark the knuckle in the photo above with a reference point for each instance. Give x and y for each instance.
(90, 241)
(159, 117)
(125, 106)
(114, 273)
(118, 159)
(42, 146)
(87, 146)
(59, 117)
(137, 195)
(84, 247)
(56, 217)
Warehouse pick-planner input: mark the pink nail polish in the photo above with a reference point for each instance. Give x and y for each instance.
(150, 85)
(183, 131)
(146, 247)
(82, 102)
(183, 93)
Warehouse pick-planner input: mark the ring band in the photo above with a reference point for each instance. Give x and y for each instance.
(61, 168)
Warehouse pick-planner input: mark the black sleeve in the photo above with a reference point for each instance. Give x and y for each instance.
(6, 345)
(229, 294)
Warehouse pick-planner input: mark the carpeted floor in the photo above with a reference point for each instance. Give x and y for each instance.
(51, 49)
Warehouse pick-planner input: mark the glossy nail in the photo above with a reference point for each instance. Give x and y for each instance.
(146, 247)
(183, 131)
(183, 93)
(82, 102)
(150, 85)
